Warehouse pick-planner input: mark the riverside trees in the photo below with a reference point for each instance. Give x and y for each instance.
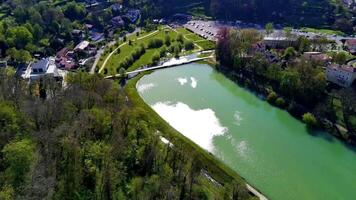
(88, 142)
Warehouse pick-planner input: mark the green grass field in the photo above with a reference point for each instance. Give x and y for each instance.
(206, 44)
(126, 50)
(324, 31)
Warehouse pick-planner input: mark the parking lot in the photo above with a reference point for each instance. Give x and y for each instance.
(206, 29)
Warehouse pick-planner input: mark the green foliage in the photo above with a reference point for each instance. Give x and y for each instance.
(310, 120)
(74, 11)
(155, 58)
(18, 157)
(289, 53)
(269, 28)
(272, 96)
(7, 193)
(339, 57)
(280, 102)
(188, 45)
(167, 40)
(180, 38)
(155, 43)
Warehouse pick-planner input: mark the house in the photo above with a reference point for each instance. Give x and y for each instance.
(342, 75)
(351, 46)
(82, 46)
(116, 7)
(317, 56)
(96, 36)
(40, 66)
(43, 67)
(133, 15)
(64, 59)
(117, 21)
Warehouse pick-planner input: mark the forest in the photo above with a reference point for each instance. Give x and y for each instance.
(88, 141)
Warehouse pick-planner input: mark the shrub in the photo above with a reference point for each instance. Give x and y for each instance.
(167, 40)
(180, 38)
(155, 43)
(280, 102)
(272, 96)
(155, 58)
(188, 45)
(310, 120)
(162, 52)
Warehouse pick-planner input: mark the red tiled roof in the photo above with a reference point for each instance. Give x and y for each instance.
(351, 42)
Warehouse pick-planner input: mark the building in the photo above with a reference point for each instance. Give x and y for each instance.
(82, 46)
(317, 56)
(40, 66)
(341, 75)
(279, 40)
(133, 15)
(117, 21)
(43, 67)
(64, 60)
(351, 46)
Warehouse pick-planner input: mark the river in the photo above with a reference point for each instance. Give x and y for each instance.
(268, 147)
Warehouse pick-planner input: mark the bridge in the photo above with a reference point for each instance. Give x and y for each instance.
(171, 63)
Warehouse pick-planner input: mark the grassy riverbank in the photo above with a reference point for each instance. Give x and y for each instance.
(216, 169)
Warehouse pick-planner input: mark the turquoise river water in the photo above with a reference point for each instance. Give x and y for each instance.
(272, 150)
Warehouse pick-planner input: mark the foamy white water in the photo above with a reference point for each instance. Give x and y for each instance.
(194, 82)
(198, 125)
(145, 87)
(182, 81)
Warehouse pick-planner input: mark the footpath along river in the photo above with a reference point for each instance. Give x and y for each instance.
(272, 150)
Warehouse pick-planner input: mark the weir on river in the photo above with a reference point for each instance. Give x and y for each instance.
(267, 146)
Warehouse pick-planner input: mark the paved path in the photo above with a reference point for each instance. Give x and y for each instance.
(108, 57)
(101, 51)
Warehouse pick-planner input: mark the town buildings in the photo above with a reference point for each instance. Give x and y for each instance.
(342, 75)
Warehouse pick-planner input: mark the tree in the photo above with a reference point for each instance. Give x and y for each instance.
(269, 28)
(167, 40)
(304, 44)
(19, 37)
(18, 156)
(180, 38)
(155, 58)
(348, 103)
(289, 53)
(288, 32)
(74, 11)
(188, 45)
(310, 120)
(339, 57)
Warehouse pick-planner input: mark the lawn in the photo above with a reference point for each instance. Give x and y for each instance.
(126, 50)
(324, 31)
(183, 31)
(206, 44)
(194, 37)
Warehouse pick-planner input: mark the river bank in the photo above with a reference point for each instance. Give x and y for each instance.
(215, 167)
(262, 89)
